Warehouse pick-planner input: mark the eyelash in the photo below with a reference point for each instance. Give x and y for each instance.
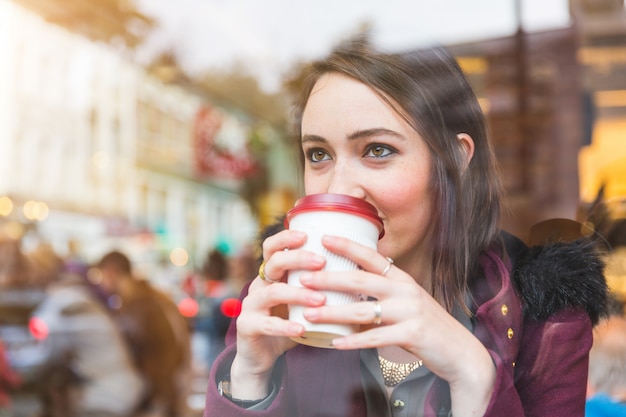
(311, 152)
(387, 150)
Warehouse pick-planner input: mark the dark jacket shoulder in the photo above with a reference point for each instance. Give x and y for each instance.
(559, 275)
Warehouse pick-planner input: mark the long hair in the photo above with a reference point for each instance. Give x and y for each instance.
(428, 89)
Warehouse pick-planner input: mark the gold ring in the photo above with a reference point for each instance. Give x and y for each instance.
(265, 277)
(388, 267)
(378, 313)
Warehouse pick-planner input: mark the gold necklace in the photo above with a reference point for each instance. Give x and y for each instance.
(394, 373)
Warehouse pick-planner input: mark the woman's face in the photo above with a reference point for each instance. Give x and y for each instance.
(355, 143)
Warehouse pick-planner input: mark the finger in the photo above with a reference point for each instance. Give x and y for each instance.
(376, 337)
(268, 326)
(375, 313)
(275, 268)
(273, 295)
(360, 282)
(355, 313)
(289, 239)
(263, 275)
(367, 258)
(261, 310)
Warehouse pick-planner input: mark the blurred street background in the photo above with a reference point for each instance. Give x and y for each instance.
(144, 143)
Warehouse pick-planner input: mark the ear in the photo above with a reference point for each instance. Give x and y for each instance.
(467, 143)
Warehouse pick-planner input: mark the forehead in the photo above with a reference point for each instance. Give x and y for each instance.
(339, 100)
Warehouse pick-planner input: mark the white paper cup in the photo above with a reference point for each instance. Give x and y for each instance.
(331, 214)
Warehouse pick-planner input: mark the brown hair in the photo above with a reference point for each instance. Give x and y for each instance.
(428, 89)
(118, 261)
(215, 266)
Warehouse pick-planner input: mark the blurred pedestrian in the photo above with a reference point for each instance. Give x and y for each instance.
(155, 331)
(243, 266)
(213, 288)
(606, 387)
(90, 372)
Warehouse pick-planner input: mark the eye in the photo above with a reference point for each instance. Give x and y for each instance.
(378, 151)
(317, 155)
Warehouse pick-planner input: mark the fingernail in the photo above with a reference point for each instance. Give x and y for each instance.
(338, 342)
(310, 314)
(306, 277)
(317, 297)
(318, 259)
(295, 328)
(328, 238)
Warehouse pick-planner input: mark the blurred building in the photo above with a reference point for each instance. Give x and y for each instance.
(601, 25)
(96, 150)
(556, 107)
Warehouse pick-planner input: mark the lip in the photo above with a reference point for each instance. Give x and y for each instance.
(384, 220)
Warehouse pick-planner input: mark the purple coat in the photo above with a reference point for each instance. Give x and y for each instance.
(540, 351)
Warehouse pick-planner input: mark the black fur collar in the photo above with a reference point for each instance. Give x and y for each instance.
(559, 275)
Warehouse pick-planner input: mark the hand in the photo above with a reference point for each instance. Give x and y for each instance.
(411, 319)
(263, 329)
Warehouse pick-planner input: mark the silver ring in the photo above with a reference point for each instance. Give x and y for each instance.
(378, 313)
(388, 267)
(265, 277)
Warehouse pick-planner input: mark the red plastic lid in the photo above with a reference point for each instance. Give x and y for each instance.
(336, 202)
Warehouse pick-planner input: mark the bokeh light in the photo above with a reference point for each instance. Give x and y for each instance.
(35, 210)
(179, 257)
(231, 307)
(6, 206)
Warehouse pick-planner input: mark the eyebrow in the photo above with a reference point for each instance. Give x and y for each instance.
(359, 134)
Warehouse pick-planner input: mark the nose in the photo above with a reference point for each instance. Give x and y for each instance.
(344, 180)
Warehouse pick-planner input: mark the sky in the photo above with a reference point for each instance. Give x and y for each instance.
(267, 37)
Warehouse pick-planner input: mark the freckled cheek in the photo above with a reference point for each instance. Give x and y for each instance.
(404, 204)
(406, 192)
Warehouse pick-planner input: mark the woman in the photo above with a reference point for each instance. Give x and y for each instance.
(445, 332)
